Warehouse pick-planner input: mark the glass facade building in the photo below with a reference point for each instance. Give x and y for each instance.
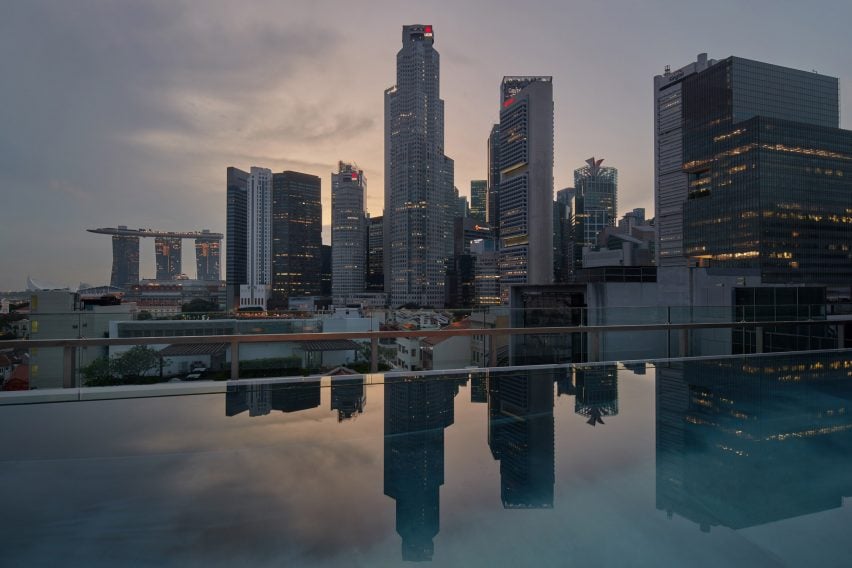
(526, 181)
(478, 198)
(125, 261)
(296, 236)
(595, 202)
(768, 172)
(348, 232)
(375, 254)
(235, 263)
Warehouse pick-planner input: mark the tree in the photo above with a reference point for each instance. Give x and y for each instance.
(136, 362)
(126, 368)
(144, 315)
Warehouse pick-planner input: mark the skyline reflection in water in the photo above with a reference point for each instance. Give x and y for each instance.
(526, 466)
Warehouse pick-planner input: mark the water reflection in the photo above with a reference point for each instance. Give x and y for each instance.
(261, 399)
(521, 436)
(417, 410)
(742, 442)
(348, 397)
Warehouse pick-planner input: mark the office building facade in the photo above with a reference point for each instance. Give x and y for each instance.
(595, 202)
(125, 262)
(419, 198)
(375, 254)
(770, 187)
(348, 232)
(670, 184)
(235, 233)
(254, 294)
(296, 236)
(526, 181)
(492, 203)
(478, 199)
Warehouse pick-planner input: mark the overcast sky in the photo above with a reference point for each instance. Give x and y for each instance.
(129, 112)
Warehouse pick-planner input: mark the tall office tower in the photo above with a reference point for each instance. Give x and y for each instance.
(563, 246)
(770, 186)
(478, 198)
(461, 270)
(670, 185)
(375, 254)
(419, 200)
(595, 204)
(296, 236)
(492, 204)
(463, 209)
(168, 255)
(526, 182)
(416, 413)
(254, 294)
(325, 271)
(125, 261)
(348, 232)
(235, 264)
(207, 258)
(521, 436)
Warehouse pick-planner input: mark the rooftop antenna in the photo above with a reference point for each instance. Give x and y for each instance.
(668, 70)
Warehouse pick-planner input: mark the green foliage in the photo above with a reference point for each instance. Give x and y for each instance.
(144, 315)
(131, 367)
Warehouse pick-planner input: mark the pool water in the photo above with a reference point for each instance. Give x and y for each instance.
(727, 462)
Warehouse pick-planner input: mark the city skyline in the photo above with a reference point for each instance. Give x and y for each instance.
(179, 114)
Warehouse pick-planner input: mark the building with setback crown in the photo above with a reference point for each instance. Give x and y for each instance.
(670, 185)
(768, 173)
(526, 181)
(348, 232)
(595, 203)
(419, 199)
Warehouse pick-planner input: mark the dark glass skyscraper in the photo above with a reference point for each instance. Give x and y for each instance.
(770, 182)
(296, 236)
(492, 204)
(125, 261)
(375, 254)
(478, 199)
(235, 264)
(419, 199)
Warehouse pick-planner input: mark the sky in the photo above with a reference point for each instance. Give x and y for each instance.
(128, 113)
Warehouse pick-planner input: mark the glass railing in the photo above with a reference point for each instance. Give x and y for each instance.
(113, 351)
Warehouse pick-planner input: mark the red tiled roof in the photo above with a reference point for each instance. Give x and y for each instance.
(19, 380)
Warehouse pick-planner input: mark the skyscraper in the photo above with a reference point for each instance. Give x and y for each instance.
(254, 294)
(235, 265)
(207, 258)
(375, 254)
(168, 255)
(348, 232)
(670, 185)
(492, 204)
(419, 203)
(595, 202)
(526, 181)
(563, 235)
(125, 261)
(478, 199)
(770, 188)
(296, 236)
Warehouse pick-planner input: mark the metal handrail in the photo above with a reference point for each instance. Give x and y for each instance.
(69, 345)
